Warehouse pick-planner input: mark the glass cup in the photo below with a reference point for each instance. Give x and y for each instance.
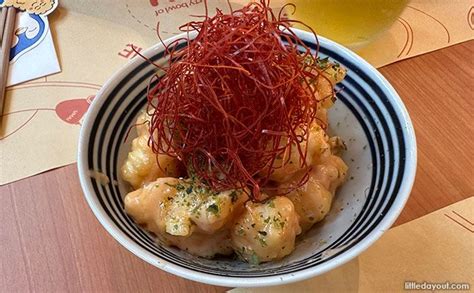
(353, 23)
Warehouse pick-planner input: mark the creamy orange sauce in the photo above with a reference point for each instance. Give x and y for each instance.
(184, 214)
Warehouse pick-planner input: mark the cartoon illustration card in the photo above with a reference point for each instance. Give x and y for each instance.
(43, 7)
(32, 54)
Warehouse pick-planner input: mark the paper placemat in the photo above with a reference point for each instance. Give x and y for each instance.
(42, 118)
(428, 253)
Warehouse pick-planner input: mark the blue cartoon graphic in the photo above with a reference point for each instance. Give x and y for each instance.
(30, 33)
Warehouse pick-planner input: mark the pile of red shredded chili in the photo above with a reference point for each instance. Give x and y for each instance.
(235, 98)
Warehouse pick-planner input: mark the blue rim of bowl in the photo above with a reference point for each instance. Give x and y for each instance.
(384, 222)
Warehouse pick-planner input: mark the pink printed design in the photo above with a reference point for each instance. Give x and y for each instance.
(72, 111)
(69, 111)
(155, 3)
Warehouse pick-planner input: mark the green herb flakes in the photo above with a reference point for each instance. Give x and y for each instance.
(262, 241)
(254, 259)
(234, 196)
(322, 63)
(213, 208)
(271, 204)
(180, 187)
(189, 189)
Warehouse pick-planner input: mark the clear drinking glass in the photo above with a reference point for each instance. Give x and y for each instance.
(353, 23)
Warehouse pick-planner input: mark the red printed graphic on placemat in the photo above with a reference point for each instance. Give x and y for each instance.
(130, 51)
(155, 3)
(72, 111)
(69, 111)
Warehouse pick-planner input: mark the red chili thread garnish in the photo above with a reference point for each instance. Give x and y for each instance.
(235, 98)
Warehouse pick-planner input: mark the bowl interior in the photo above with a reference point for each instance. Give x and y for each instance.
(381, 157)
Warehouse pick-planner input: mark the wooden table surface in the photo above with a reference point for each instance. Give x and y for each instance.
(51, 241)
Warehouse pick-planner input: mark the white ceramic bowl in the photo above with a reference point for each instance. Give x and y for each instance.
(381, 155)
